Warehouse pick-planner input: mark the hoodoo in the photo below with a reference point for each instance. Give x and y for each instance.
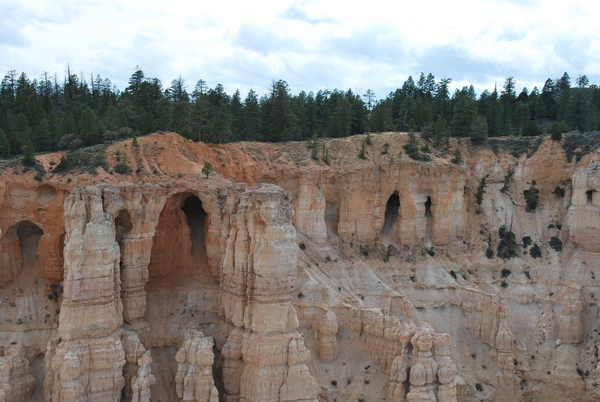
(281, 278)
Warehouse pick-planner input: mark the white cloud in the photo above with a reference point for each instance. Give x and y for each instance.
(311, 44)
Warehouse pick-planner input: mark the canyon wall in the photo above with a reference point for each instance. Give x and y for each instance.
(284, 278)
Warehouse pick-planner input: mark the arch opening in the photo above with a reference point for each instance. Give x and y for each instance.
(392, 210)
(590, 195)
(181, 290)
(178, 247)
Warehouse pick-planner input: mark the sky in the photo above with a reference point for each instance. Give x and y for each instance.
(311, 45)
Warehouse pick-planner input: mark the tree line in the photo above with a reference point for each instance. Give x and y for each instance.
(74, 112)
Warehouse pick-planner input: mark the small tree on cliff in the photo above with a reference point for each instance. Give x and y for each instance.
(28, 154)
(207, 169)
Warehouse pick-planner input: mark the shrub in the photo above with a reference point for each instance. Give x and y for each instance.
(526, 241)
(507, 246)
(556, 243)
(506, 272)
(363, 153)
(481, 190)
(325, 154)
(368, 140)
(559, 192)
(386, 148)
(62, 165)
(532, 196)
(388, 253)
(507, 177)
(100, 157)
(123, 167)
(412, 149)
(531, 129)
(489, 253)
(364, 250)
(535, 251)
(556, 136)
(457, 156)
(557, 129)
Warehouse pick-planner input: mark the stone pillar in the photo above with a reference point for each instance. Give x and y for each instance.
(423, 373)
(258, 278)
(86, 362)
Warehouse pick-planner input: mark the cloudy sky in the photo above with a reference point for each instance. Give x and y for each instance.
(311, 44)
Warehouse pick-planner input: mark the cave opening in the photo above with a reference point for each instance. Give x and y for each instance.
(332, 218)
(428, 217)
(392, 210)
(195, 214)
(29, 235)
(590, 196)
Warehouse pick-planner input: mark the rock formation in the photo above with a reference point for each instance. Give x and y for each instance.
(446, 369)
(281, 278)
(570, 320)
(258, 279)
(16, 382)
(423, 372)
(326, 329)
(194, 379)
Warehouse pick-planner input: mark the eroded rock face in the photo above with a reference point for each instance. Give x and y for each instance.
(281, 278)
(194, 380)
(258, 278)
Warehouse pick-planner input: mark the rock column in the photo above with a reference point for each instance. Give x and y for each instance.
(86, 360)
(258, 279)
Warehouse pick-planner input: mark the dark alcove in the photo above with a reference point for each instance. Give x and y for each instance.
(391, 213)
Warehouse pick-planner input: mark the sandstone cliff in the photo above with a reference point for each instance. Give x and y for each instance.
(284, 278)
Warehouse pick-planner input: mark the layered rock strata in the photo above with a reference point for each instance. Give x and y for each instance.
(313, 292)
(265, 358)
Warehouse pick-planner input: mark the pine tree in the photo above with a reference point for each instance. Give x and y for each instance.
(28, 154)
(283, 123)
(479, 130)
(207, 169)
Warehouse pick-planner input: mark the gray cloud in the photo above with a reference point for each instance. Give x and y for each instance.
(261, 39)
(10, 34)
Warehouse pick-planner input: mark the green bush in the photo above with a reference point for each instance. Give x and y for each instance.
(363, 153)
(62, 165)
(28, 154)
(457, 156)
(535, 251)
(532, 196)
(507, 248)
(123, 167)
(559, 192)
(556, 243)
(481, 190)
(207, 169)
